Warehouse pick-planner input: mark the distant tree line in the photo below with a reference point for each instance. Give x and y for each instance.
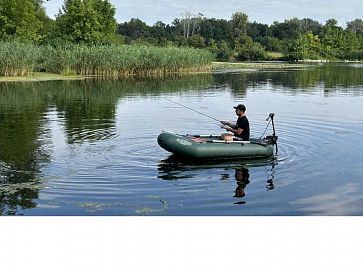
(244, 40)
(93, 22)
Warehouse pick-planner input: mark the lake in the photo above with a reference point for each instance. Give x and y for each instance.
(88, 147)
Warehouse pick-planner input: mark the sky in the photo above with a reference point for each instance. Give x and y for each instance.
(261, 11)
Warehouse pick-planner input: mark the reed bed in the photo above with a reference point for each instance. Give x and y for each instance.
(123, 60)
(17, 59)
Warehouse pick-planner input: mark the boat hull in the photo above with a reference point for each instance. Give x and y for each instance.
(212, 148)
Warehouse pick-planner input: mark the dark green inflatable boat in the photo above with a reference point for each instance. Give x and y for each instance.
(211, 147)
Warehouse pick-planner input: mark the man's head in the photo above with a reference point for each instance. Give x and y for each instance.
(240, 109)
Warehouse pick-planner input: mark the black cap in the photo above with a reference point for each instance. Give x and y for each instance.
(240, 107)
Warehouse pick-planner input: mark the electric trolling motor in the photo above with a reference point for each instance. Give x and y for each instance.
(272, 138)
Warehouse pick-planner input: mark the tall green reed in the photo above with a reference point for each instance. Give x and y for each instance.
(123, 60)
(17, 59)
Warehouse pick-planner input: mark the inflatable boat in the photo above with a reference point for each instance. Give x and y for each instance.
(212, 147)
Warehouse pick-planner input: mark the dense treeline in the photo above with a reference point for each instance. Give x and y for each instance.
(244, 40)
(93, 23)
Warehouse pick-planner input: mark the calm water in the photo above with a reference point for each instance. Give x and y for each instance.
(89, 147)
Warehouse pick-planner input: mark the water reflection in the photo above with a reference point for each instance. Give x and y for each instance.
(270, 178)
(84, 110)
(242, 177)
(329, 77)
(38, 119)
(175, 168)
(22, 148)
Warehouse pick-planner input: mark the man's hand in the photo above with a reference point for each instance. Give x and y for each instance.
(223, 126)
(228, 128)
(226, 123)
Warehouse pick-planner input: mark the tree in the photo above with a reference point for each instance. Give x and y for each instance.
(223, 52)
(87, 21)
(196, 41)
(306, 46)
(135, 29)
(247, 49)
(271, 44)
(239, 23)
(190, 23)
(356, 26)
(256, 31)
(308, 24)
(22, 19)
(217, 29)
(332, 40)
(289, 29)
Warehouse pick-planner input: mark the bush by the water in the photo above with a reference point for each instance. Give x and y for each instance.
(355, 55)
(250, 50)
(17, 59)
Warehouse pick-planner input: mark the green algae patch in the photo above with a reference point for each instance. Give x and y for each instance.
(93, 206)
(10, 189)
(148, 210)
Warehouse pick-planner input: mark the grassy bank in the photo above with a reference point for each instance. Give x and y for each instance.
(18, 59)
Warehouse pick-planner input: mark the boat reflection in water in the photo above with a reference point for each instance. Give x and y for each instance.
(176, 168)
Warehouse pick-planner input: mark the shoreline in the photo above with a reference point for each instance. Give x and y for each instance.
(41, 76)
(214, 67)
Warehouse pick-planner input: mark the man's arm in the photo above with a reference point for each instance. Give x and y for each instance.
(237, 131)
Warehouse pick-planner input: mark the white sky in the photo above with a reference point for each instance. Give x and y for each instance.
(262, 11)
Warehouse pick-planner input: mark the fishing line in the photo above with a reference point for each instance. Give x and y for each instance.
(193, 110)
(270, 118)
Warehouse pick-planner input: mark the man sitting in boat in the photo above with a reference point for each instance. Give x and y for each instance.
(240, 130)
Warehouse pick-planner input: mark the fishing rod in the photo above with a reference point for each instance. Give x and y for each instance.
(273, 138)
(193, 110)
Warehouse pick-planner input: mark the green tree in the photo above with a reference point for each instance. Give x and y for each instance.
(196, 41)
(159, 33)
(332, 40)
(223, 52)
(247, 49)
(217, 29)
(306, 46)
(257, 31)
(22, 19)
(356, 26)
(272, 44)
(289, 29)
(135, 29)
(87, 21)
(350, 41)
(239, 23)
(307, 24)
